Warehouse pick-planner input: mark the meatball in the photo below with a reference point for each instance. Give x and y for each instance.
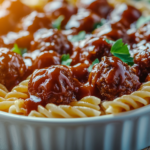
(11, 12)
(83, 20)
(57, 8)
(101, 7)
(12, 68)
(22, 39)
(141, 34)
(52, 39)
(90, 49)
(46, 59)
(33, 22)
(80, 72)
(142, 59)
(120, 21)
(113, 78)
(125, 15)
(53, 85)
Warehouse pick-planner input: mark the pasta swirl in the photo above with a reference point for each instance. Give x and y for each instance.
(128, 102)
(86, 107)
(19, 91)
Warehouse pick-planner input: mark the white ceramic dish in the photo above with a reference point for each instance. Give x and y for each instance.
(126, 131)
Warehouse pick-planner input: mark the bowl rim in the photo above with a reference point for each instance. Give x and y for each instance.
(77, 121)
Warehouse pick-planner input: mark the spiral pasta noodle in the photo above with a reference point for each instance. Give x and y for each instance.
(17, 107)
(128, 102)
(86, 107)
(8, 99)
(19, 91)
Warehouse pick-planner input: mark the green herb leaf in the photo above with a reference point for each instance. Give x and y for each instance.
(16, 49)
(119, 47)
(109, 41)
(99, 24)
(142, 20)
(66, 60)
(121, 50)
(96, 61)
(81, 35)
(23, 51)
(57, 23)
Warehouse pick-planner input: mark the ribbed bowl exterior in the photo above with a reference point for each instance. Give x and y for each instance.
(127, 131)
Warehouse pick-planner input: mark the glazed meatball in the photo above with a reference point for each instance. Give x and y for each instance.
(101, 7)
(125, 15)
(11, 12)
(46, 59)
(53, 85)
(141, 34)
(22, 39)
(12, 68)
(57, 8)
(83, 20)
(33, 22)
(52, 39)
(80, 72)
(90, 49)
(142, 61)
(113, 78)
(120, 21)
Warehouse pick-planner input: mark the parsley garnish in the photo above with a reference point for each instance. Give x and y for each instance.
(99, 24)
(57, 23)
(66, 60)
(18, 50)
(121, 50)
(81, 35)
(109, 41)
(23, 50)
(142, 20)
(96, 61)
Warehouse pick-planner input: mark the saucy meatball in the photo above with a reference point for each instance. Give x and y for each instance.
(83, 20)
(90, 49)
(101, 7)
(52, 39)
(12, 68)
(21, 38)
(57, 8)
(120, 21)
(80, 72)
(125, 15)
(11, 12)
(113, 78)
(33, 22)
(143, 33)
(46, 59)
(53, 85)
(142, 59)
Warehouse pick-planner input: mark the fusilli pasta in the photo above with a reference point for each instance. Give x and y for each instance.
(86, 107)
(19, 91)
(128, 102)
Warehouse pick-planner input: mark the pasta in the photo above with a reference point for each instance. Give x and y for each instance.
(19, 91)
(86, 107)
(128, 102)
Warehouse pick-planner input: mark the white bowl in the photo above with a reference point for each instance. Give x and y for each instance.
(126, 131)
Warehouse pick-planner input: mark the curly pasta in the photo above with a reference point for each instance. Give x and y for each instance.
(128, 102)
(19, 91)
(86, 107)
(3, 91)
